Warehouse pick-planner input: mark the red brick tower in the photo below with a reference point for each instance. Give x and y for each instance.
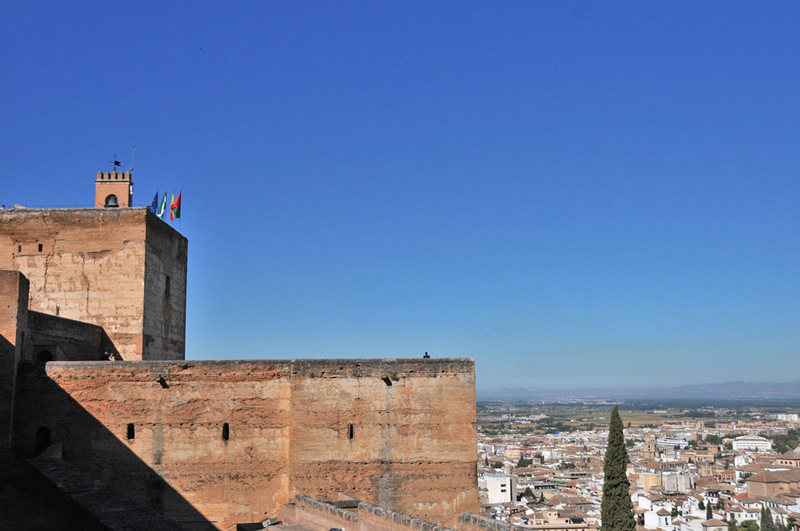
(113, 189)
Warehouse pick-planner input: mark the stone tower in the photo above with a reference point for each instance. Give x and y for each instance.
(121, 268)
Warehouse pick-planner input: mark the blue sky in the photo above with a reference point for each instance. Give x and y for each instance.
(574, 194)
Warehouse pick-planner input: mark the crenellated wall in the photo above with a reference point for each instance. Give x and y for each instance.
(156, 431)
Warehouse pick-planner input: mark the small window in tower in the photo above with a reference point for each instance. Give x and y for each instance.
(226, 432)
(19, 248)
(167, 287)
(40, 247)
(131, 432)
(350, 432)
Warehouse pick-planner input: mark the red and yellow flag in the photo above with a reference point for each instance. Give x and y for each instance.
(175, 207)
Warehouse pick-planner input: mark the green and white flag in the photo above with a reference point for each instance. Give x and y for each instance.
(162, 208)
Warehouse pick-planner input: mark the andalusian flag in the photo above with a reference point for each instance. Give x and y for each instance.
(162, 208)
(175, 207)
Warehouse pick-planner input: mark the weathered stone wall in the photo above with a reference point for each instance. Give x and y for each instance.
(90, 265)
(13, 324)
(372, 517)
(164, 305)
(66, 339)
(315, 514)
(176, 461)
(413, 433)
(413, 447)
(476, 522)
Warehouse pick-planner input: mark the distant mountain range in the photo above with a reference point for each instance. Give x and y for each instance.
(711, 391)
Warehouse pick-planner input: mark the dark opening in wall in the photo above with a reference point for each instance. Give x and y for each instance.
(131, 432)
(40, 247)
(19, 248)
(226, 432)
(167, 287)
(387, 381)
(42, 439)
(350, 432)
(43, 356)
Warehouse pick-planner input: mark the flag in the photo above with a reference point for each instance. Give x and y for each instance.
(175, 207)
(162, 208)
(154, 204)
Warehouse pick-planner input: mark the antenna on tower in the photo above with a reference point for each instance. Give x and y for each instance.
(133, 152)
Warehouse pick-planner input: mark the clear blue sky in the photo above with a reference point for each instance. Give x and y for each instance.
(573, 194)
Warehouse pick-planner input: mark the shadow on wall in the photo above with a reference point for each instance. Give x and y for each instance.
(47, 415)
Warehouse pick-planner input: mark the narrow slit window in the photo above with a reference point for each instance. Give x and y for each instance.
(131, 432)
(226, 432)
(350, 431)
(19, 248)
(166, 287)
(40, 247)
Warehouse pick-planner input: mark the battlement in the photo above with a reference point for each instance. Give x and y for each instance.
(113, 176)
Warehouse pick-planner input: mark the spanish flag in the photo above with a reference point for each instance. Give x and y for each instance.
(175, 207)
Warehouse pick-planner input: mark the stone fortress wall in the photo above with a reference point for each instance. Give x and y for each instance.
(108, 267)
(208, 444)
(227, 442)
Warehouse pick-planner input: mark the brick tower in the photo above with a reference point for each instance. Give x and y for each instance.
(113, 189)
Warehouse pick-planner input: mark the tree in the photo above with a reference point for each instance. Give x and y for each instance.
(702, 506)
(709, 513)
(528, 493)
(767, 523)
(522, 463)
(616, 509)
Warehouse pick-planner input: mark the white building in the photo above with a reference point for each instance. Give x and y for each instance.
(676, 482)
(753, 443)
(501, 488)
(672, 442)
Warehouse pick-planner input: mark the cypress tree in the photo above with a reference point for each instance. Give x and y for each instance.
(767, 523)
(616, 510)
(709, 513)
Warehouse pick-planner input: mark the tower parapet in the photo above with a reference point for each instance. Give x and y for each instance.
(113, 189)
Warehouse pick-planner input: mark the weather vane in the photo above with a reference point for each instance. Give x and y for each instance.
(115, 162)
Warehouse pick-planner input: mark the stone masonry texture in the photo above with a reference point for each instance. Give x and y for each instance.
(395, 433)
(107, 267)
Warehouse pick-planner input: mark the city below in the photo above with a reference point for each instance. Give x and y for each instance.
(694, 465)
